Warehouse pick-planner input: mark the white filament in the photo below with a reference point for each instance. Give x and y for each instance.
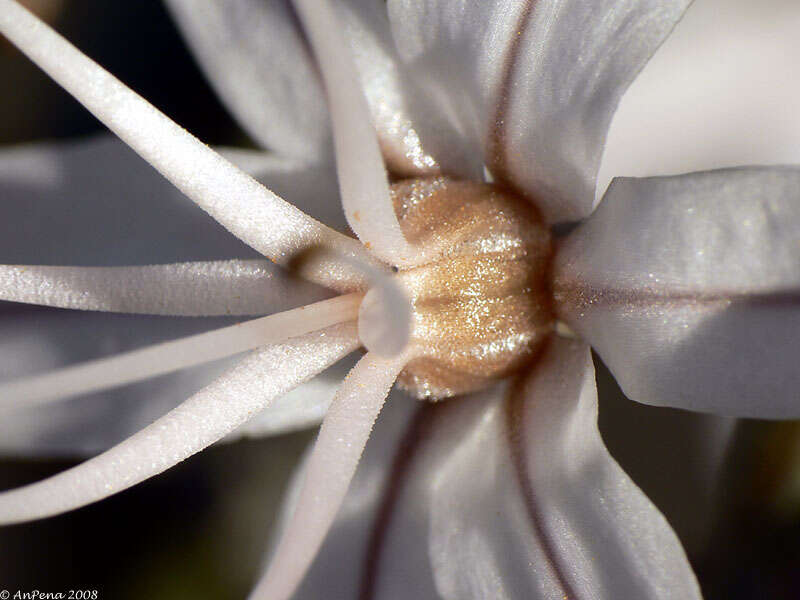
(242, 205)
(331, 466)
(359, 162)
(179, 354)
(224, 287)
(198, 422)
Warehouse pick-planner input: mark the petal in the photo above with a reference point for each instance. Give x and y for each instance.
(257, 57)
(250, 211)
(689, 289)
(563, 504)
(95, 202)
(233, 287)
(533, 83)
(516, 497)
(407, 129)
(720, 92)
(261, 67)
(199, 421)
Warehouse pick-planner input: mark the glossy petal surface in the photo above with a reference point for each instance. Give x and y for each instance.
(689, 288)
(506, 494)
(533, 83)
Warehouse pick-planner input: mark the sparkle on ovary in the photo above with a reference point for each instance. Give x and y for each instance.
(483, 308)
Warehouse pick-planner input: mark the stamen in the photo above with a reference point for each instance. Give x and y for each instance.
(164, 358)
(331, 466)
(200, 421)
(224, 287)
(359, 162)
(241, 204)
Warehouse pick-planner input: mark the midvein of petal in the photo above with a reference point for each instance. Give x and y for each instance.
(171, 356)
(247, 209)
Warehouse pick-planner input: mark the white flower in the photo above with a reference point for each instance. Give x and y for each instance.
(687, 286)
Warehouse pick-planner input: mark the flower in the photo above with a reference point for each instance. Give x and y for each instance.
(711, 284)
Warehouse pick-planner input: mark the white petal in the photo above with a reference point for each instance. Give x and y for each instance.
(254, 214)
(330, 468)
(720, 92)
(201, 420)
(689, 288)
(550, 514)
(533, 83)
(234, 287)
(363, 179)
(413, 140)
(684, 480)
(262, 69)
(498, 496)
(257, 57)
(95, 202)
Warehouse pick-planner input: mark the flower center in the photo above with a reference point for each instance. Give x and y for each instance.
(483, 308)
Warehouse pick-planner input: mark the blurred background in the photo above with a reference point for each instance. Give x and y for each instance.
(720, 93)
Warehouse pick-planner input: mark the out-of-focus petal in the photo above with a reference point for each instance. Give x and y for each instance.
(260, 65)
(201, 420)
(95, 202)
(257, 57)
(689, 288)
(534, 83)
(720, 92)
(231, 287)
(505, 494)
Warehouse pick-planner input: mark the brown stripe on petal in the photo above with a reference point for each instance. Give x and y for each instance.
(571, 296)
(396, 481)
(496, 144)
(515, 415)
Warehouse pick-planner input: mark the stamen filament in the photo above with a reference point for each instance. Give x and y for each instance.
(330, 469)
(250, 211)
(206, 417)
(359, 162)
(171, 356)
